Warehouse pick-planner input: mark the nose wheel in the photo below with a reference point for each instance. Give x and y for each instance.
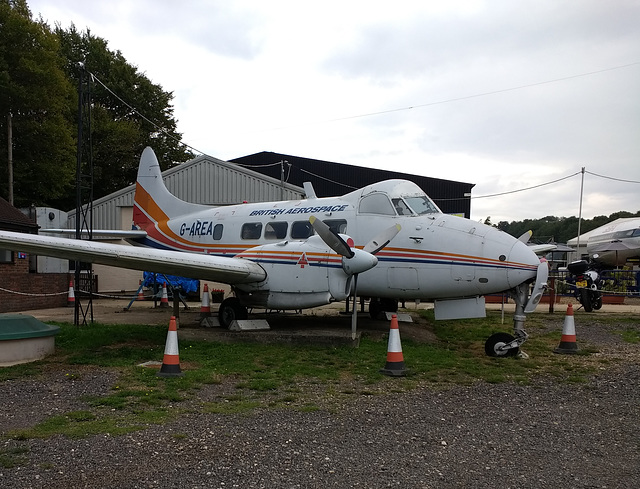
(501, 345)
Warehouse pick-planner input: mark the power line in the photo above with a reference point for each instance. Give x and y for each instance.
(468, 97)
(527, 188)
(542, 185)
(611, 178)
(163, 130)
(142, 116)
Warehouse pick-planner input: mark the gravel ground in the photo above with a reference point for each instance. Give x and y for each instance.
(546, 434)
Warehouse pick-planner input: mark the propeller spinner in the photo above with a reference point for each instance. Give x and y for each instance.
(354, 261)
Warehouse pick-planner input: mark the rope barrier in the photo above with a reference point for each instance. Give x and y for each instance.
(34, 295)
(605, 292)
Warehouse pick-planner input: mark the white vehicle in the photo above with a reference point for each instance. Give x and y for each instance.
(387, 241)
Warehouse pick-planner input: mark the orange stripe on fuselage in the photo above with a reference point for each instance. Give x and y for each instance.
(146, 203)
(158, 218)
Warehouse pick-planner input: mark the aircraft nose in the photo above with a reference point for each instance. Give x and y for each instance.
(522, 264)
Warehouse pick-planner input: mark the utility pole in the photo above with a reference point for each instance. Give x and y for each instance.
(580, 213)
(84, 196)
(282, 162)
(10, 155)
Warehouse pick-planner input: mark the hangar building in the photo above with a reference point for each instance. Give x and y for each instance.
(333, 179)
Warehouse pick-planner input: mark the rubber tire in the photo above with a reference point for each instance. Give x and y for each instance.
(389, 305)
(231, 310)
(375, 307)
(585, 300)
(496, 339)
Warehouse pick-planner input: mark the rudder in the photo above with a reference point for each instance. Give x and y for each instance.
(153, 202)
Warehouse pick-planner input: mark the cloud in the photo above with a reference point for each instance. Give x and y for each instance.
(503, 94)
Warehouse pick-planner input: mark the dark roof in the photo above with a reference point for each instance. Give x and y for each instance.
(331, 179)
(11, 219)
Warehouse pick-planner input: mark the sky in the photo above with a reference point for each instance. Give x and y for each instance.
(505, 95)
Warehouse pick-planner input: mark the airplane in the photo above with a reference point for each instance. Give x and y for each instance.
(615, 243)
(387, 241)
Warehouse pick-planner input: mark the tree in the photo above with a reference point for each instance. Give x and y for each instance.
(129, 112)
(559, 229)
(35, 100)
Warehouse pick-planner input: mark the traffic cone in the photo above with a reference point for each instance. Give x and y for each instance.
(568, 343)
(171, 361)
(71, 297)
(164, 299)
(205, 308)
(395, 360)
(140, 293)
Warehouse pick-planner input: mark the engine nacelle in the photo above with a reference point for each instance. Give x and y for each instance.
(300, 274)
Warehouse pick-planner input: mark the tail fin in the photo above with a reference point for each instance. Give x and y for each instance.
(153, 203)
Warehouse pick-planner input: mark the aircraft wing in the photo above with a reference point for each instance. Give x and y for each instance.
(197, 266)
(542, 248)
(102, 233)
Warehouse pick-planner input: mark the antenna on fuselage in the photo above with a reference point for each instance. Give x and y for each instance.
(309, 191)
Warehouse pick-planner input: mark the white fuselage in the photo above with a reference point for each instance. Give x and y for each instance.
(433, 256)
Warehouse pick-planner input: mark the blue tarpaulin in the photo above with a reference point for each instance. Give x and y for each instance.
(152, 279)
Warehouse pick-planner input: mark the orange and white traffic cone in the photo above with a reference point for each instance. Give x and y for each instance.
(395, 359)
(164, 298)
(568, 341)
(205, 308)
(171, 360)
(140, 293)
(71, 296)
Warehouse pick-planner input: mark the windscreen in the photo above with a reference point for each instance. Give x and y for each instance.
(422, 205)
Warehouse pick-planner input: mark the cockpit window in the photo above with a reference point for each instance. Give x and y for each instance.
(376, 203)
(401, 207)
(422, 205)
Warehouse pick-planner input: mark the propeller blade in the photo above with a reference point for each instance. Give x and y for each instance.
(525, 237)
(382, 240)
(333, 241)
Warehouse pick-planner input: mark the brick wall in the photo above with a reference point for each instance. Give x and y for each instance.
(15, 277)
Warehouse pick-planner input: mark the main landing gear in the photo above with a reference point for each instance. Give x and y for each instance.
(377, 306)
(231, 310)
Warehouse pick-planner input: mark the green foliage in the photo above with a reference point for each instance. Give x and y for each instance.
(559, 229)
(119, 133)
(35, 99)
(13, 457)
(39, 71)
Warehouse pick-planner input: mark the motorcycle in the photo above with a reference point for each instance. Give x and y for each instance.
(588, 284)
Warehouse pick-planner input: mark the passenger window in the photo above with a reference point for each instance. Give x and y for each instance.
(337, 225)
(251, 230)
(217, 232)
(275, 230)
(301, 230)
(376, 203)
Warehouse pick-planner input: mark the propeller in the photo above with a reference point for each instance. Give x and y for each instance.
(354, 261)
(525, 237)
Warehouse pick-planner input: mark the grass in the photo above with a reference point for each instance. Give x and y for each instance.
(13, 457)
(248, 377)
